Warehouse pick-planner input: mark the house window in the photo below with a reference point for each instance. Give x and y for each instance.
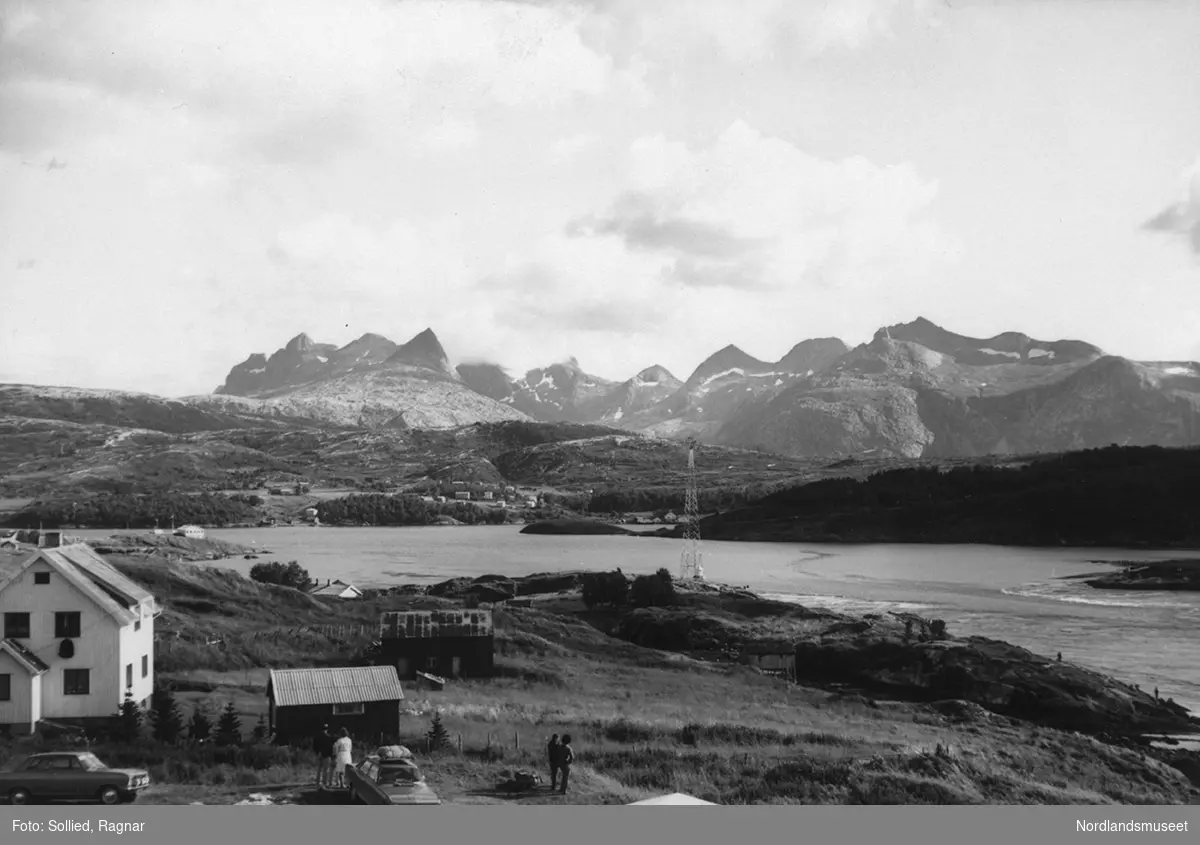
(16, 626)
(41, 577)
(5, 687)
(355, 709)
(145, 665)
(67, 625)
(77, 682)
(137, 625)
(128, 674)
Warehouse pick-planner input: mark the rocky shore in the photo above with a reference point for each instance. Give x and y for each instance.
(1166, 575)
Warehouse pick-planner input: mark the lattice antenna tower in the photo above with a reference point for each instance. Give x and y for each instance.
(691, 566)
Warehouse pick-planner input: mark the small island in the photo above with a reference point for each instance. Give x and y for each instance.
(1166, 575)
(574, 526)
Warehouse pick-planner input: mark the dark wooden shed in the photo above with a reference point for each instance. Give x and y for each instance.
(449, 643)
(363, 699)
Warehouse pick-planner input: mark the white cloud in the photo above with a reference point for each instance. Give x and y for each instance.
(751, 31)
(567, 149)
(754, 211)
(451, 134)
(1182, 218)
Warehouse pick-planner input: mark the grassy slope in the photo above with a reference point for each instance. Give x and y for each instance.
(752, 739)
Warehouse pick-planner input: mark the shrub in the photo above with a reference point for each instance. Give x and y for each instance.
(129, 720)
(229, 726)
(291, 574)
(200, 726)
(610, 588)
(655, 590)
(165, 718)
(438, 736)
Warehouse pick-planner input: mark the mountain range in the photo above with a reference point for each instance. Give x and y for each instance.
(916, 389)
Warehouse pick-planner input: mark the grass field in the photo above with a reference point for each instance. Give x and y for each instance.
(644, 722)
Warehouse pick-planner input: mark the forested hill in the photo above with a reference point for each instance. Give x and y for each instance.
(1117, 496)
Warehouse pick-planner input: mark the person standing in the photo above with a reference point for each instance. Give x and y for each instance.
(342, 757)
(566, 756)
(323, 746)
(552, 759)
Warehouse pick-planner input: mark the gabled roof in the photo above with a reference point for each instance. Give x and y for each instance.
(336, 588)
(339, 685)
(115, 594)
(24, 658)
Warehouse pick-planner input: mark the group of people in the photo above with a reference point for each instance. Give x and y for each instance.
(333, 756)
(561, 755)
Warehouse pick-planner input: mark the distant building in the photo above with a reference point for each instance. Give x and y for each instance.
(462, 495)
(337, 589)
(670, 517)
(772, 657)
(531, 503)
(488, 495)
(427, 498)
(363, 699)
(458, 483)
(441, 500)
(9, 542)
(192, 532)
(77, 636)
(450, 643)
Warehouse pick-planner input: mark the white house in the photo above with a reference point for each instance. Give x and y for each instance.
(77, 634)
(337, 589)
(192, 532)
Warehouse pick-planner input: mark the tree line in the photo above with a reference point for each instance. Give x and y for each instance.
(120, 510)
(380, 509)
(1115, 495)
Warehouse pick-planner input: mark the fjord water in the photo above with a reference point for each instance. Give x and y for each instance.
(1013, 594)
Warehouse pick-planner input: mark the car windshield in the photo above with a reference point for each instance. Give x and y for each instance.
(90, 762)
(398, 774)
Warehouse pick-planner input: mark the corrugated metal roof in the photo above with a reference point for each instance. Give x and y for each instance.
(24, 657)
(336, 685)
(420, 624)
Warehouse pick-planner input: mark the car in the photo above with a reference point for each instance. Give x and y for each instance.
(71, 774)
(389, 780)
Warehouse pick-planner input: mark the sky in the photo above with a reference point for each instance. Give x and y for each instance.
(630, 183)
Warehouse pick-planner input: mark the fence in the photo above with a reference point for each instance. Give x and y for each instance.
(340, 634)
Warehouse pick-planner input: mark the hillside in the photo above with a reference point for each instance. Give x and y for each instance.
(657, 698)
(1118, 496)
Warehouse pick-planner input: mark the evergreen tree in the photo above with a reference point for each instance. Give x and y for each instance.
(200, 726)
(229, 726)
(129, 720)
(166, 720)
(438, 736)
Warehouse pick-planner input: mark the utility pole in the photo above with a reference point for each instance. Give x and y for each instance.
(691, 565)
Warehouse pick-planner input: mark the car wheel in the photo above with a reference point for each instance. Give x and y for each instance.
(109, 795)
(20, 796)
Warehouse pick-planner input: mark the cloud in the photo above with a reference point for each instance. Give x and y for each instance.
(757, 212)
(568, 149)
(307, 78)
(451, 133)
(1182, 218)
(760, 30)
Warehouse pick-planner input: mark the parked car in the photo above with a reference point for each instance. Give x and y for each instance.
(383, 780)
(71, 774)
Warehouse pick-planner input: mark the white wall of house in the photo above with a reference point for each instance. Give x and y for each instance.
(137, 643)
(103, 647)
(24, 707)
